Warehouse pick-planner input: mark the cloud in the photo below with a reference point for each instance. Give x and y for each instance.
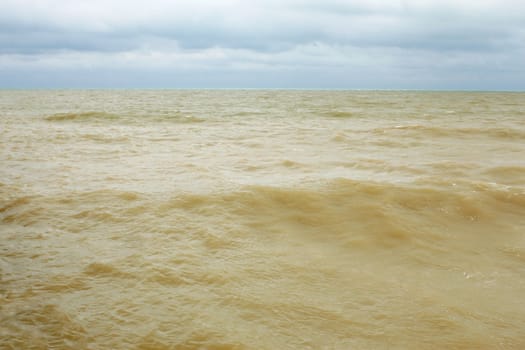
(436, 39)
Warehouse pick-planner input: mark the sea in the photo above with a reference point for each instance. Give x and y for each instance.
(262, 219)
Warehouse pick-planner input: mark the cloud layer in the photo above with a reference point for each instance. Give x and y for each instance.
(263, 43)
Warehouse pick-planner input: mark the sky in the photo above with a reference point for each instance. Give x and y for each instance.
(317, 44)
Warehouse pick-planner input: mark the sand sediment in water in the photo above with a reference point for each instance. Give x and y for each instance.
(261, 220)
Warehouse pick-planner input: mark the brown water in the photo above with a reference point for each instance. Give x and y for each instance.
(262, 220)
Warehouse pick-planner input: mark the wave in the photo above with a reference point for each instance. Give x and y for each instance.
(434, 131)
(136, 257)
(511, 175)
(339, 114)
(101, 138)
(105, 117)
(41, 325)
(347, 212)
(81, 116)
(181, 118)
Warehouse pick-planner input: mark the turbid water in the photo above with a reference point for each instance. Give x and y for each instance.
(262, 220)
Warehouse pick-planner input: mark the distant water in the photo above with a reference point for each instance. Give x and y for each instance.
(262, 220)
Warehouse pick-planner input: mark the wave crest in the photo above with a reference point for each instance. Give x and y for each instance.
(437, 131)
(81, 116)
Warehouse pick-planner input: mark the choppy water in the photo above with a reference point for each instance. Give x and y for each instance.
(262, 220)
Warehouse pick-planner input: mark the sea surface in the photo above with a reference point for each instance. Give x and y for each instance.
(262, 219)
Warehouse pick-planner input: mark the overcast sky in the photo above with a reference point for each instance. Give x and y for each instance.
(354, 44)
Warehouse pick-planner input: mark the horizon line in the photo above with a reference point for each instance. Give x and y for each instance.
(262, 89)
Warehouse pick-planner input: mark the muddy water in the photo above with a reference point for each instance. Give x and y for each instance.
(262, 220)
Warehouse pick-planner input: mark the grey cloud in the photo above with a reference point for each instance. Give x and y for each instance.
(344, 40)
(269, 29)
(44, 41)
